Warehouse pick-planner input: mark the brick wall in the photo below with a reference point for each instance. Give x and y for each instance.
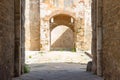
(6, 39)
(111, 39)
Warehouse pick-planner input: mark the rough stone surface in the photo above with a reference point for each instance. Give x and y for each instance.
(6, 39)
(111, 39)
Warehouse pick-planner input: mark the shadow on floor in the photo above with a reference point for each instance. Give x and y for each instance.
(58, 71)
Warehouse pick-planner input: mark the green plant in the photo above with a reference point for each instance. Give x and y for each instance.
(30, 57)
(26, 69)
(74, 50)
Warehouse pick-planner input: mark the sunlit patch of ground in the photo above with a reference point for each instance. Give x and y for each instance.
(56, 57)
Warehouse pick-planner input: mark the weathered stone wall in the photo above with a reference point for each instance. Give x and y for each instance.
(27, 25)
(6, 39)
(38, 37)
(80, 10)
(111, 39)
(87, 26)
(32, 25)
(79, 34)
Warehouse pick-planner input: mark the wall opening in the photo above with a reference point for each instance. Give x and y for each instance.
(63, 30)
(62, 38)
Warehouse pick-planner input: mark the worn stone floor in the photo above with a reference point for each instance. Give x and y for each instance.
(58, 71)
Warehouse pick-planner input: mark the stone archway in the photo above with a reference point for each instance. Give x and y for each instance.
(62, 31)
(62, 18)
(47, 26)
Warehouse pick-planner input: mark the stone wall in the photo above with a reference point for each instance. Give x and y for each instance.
(79, 34)
(32, 25)
(111, 39)
(27, 25)
(87, 26)
(37, 26)
(6, 39)
(81, 12)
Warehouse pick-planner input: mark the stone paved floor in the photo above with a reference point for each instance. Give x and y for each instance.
(58, 71)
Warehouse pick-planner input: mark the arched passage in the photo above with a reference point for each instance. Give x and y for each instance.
(62, 38)
(50, 22)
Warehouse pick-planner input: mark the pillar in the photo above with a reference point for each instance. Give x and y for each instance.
(34, 25)
(94, 38)
(99, 37)
(22, 35)
(17, 55)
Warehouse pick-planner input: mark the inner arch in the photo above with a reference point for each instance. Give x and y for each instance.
(62, 19)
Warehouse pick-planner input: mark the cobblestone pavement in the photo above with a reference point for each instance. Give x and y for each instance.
(58, 71)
